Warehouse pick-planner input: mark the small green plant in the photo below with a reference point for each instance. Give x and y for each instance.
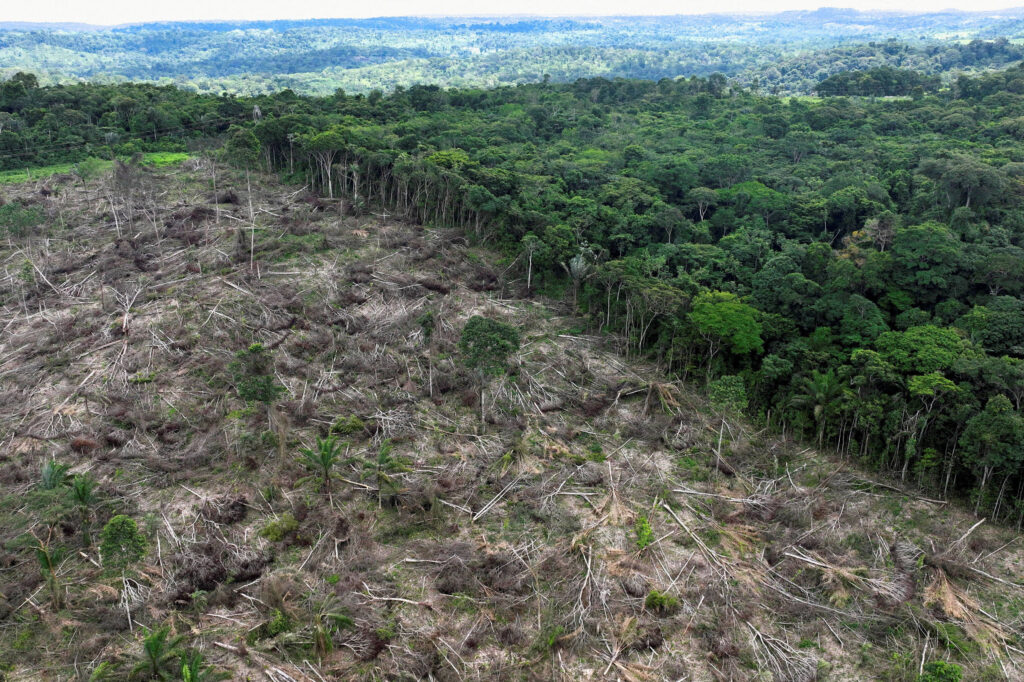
(275, 531)
(194, 668)
(427, 321)
(329, 619)
(644, 533)
(485, 344)
(17, 220)
(159, 653)
(941, 671)
(279, 622)
(49, 560)
(659, 602)
(551, 637)
(102, 672)
(595, 453)
(53, 475)
(728, 393)
(252, 372)
(346, 426)
(121, 542)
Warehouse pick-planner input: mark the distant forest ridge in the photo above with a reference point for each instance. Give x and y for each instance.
(785, 53)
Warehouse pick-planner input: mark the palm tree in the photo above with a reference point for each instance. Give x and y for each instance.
(384, 468)
(159, 652)
(820, 394)
(322, 459)
(83, 492)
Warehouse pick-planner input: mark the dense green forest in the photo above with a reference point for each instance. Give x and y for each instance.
(846, 269)
(779, 53)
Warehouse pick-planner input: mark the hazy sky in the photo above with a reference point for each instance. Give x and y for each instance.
(123, 11)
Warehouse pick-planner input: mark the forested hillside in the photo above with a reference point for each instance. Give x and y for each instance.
(608, 379)
(783, 53)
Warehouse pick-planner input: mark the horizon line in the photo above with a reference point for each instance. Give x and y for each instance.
(71, 24)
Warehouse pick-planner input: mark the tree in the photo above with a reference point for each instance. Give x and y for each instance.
(242, 147)
(83, 493)
(927, 259)
(704, 199)
(383, 468)
(922, 349)
(819, 393)
(321, 460)
(485, 346)
(532, 246)
(89, 168)
(121, 543)
(728, 393)
(722, 319)
(963, 179)
(252, 371)
(993, 442)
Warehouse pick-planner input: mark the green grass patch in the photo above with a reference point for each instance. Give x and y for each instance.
(154, 159)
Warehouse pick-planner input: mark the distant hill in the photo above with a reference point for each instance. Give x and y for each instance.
(787, 53)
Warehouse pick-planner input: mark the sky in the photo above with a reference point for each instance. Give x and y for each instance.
(106, 12)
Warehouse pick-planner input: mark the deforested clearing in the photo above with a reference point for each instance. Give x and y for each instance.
(247, 431)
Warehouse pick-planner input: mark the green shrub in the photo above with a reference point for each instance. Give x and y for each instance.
(660, 602)
(349, 425)
(275, 531)
(644, 532)
(485, 344)
(252, 371)
(940, 671)
(121, 543)
(728, 393)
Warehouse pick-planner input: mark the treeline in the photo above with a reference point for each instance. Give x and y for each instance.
(848, 270)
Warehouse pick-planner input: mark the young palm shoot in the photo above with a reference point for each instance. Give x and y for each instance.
(48, 563)
(194, 669)
(53, 475)
(159, 652)
(322, 459)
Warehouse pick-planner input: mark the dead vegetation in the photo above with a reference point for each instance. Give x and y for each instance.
(599, 522)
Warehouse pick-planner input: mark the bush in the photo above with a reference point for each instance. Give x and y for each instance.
(275, 531)
(253, 374)
(348, 425)
(940, 671)
(728, 393)
(486, 344)
(644, 532)
(121, 543)
(660, 602)
(17, 220)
